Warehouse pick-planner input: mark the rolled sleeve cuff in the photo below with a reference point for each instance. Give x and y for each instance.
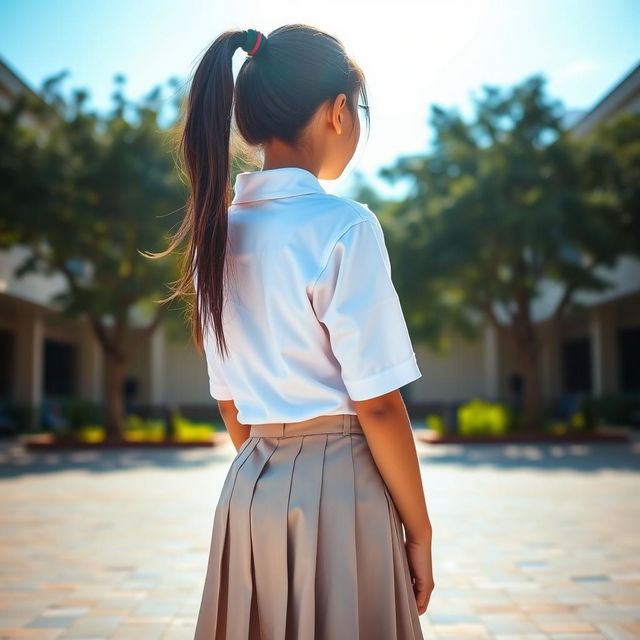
(220, 393)
(384, 381)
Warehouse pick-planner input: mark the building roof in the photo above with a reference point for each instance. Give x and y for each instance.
(624, 96)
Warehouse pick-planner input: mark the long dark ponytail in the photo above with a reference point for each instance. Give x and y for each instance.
(277, 91)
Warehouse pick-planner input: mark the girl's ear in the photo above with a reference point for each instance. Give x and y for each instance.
(337, 112)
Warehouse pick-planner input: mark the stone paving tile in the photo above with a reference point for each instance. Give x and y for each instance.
(531, 542)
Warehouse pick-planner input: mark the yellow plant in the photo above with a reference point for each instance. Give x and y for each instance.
(187, 431)
(558, 427)
(478, 417)
(577, 420)
(137, 429)
(435, 422)
(91, 433)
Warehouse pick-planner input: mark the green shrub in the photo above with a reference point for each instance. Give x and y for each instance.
(435, 422)
(139, 429)
(613, 408)
(90, 433)
(479, 417)
(23, 415)
(185, 430)
(577, 421)
(79, 411)
(556, 426)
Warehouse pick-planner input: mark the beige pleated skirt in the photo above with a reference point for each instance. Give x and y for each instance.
(307, 543)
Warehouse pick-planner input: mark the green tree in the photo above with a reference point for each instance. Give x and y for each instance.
(88, 194)
(610, 157)
(498, 209)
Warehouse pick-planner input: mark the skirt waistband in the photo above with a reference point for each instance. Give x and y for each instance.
(345, 423)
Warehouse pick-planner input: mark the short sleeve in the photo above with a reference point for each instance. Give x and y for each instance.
(354, 297)
(218, 387)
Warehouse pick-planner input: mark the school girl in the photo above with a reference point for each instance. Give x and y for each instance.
(321, 530)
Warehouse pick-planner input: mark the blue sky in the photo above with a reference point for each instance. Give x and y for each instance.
(414, 53)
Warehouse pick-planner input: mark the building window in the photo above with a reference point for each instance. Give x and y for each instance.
(576, 365)
(7, 358)
(60, 368)
(629, 357)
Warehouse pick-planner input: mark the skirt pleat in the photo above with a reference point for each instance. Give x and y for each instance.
(239, 590)
(307, 544)
(302, 536)
(374, 541)
(211, 615)
(336, 570)
(269, 535)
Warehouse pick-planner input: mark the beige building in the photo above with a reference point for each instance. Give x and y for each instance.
(44, 356)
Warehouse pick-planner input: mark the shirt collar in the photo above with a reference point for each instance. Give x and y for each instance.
(283, 182)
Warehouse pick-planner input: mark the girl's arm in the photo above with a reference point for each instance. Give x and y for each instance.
(229, 412)
(388, 431)
(387, 427)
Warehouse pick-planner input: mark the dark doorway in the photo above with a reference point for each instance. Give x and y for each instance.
(60, 368)
(629, 358)
(7, 370)
(576, 365)
(515, 384)
(131, 387)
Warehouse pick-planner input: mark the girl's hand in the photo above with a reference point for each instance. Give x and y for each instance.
(420, 567)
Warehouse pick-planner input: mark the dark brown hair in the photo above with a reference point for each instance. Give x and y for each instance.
(276, 93)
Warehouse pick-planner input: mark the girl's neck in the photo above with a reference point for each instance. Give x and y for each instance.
(278, 155)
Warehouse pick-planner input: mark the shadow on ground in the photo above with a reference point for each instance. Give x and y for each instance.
(16, 461)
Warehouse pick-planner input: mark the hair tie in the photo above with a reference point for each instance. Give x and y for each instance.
(254, 42)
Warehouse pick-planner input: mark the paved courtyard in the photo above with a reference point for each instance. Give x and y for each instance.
(530, 541)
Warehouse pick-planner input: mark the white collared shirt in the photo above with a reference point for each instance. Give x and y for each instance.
(312, 319)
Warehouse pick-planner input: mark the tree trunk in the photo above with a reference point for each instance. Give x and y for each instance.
(532, 400)
(113, 397)
(527, 357)
(113, 342)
